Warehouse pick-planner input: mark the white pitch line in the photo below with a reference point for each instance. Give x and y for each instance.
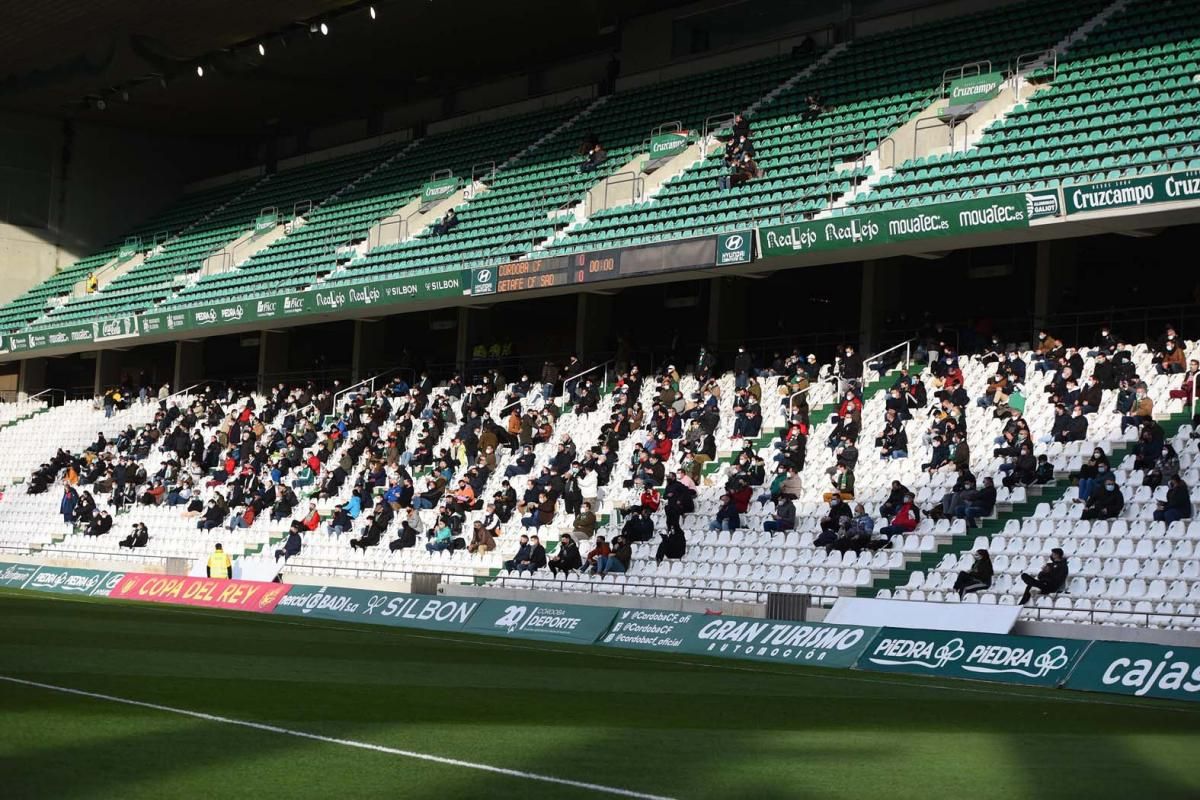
(316, 737)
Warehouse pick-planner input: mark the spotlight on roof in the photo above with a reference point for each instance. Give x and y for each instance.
(324, 29)
(262, 49)
(371, 9)
(125, 95)
(100, 104)
(200, 70)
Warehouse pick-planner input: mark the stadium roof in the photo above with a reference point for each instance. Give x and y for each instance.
(60, 57)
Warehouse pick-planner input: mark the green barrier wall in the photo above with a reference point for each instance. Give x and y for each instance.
(739, 637)
(550, 622)
(380, 608)
(1031, 660)
(1139, 670)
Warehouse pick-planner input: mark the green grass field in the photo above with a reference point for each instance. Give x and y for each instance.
(627, 722)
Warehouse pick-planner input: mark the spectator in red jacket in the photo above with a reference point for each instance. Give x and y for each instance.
(312, 519)
(741, 497)
(905, 520)
(662, 447)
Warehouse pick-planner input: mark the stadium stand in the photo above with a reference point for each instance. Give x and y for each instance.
(390, 462)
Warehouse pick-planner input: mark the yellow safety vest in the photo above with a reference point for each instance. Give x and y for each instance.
(219, 565)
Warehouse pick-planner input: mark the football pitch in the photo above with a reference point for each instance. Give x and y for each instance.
(108, 699)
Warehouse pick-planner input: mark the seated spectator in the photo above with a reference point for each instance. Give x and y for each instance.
(1171, 360)
(292, 545)
(101, 524)
(447, 223)
(530, 556)
(856, 533)
(410, 529)
(1106, 503)
(904, 521)
(727, 518)
(567, 559)
(1178, 504)
(1184, 392)
(380, 518)
(1050, 579)
(893, 442)
(617, 561)
(540, 514)
(784, 517)
(1092, 473)
(137, 537)
(832, 523)
(674, 542)
(814, 105)
(978, 577)
(212, 518)
(1141, 410)
(482, 540)
(523, 464)
(442, 537)
(976, 503)
(894, 500)
(596, 156)
(599, 550)
(843, 484)
(339, 521)
(639, 527)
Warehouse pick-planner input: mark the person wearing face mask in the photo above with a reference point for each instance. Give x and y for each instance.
(996, 391)
(1184, 392)
(1173, 361)
(850, 367)
(1178, 503)
(1050, 579)
(1091, 395)
(904, 521)
(1076, 428)
(1142, 409)
(1106, 503)
(1106, 343)
(978, 577)
(1048, 352)
(1092, 474)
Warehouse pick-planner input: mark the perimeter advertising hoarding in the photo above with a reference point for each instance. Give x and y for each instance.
(1139, 670)
(381, 608)
(552, 622)
(232, 595)
(813, 643)
(1031, 660)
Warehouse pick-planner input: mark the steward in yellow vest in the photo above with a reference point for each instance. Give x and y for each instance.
(219, 564)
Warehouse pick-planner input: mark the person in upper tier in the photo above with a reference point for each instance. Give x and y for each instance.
(1050, 579)
(447, 223)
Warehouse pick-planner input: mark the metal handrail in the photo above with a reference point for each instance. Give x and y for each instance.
(438, 174)
(1195, 392)
(1026, 60)
(401, 224)
(918, 127)
(719, 119)
(906, 344)
(364, 382)
(575, 378)
(879, 147)
(307, 204)
(793, 396)
(489, 174)
(962, 70)
(673, 125)
(50, 392)
(625, 177)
